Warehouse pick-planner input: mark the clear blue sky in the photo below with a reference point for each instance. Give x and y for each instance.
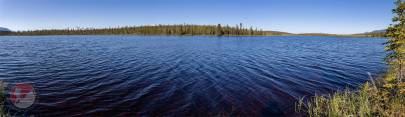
(297, 16)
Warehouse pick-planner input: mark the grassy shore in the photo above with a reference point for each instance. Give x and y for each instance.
(385, 98)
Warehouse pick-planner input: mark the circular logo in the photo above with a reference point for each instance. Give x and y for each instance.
(22, 95)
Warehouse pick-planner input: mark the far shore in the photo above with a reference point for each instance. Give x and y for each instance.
(177, 30)
(321, 35)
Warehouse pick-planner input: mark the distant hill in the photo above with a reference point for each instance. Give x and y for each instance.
(317, 34)
(375, 33)
(276, 33)
(4, 29)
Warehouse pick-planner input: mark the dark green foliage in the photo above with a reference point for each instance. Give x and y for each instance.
(5, 33)
(183, 29)
(396, 43)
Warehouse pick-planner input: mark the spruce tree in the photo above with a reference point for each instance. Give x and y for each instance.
(396, 43)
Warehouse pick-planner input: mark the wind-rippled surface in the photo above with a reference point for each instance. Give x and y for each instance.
(184, 76)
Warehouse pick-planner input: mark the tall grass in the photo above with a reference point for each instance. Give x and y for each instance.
(384, 98)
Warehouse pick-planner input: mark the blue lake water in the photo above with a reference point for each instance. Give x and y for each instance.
(184, 76)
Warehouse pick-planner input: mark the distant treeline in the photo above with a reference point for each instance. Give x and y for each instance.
(182, 29)
(374, 34)
(345, 35)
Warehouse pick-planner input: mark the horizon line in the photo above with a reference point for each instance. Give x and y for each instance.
(140, 25)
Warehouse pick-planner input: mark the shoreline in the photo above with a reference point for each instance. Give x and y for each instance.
(348, 36)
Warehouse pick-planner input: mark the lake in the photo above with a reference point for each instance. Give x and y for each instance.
(184, 75)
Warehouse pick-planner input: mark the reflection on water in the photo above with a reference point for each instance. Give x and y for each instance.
(184, 76)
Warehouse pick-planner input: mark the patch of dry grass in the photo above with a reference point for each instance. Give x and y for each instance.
(385, 98)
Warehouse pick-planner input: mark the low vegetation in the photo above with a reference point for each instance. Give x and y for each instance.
(385, 97)
(2, 100)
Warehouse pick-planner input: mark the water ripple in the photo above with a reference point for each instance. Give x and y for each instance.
(184, 76)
